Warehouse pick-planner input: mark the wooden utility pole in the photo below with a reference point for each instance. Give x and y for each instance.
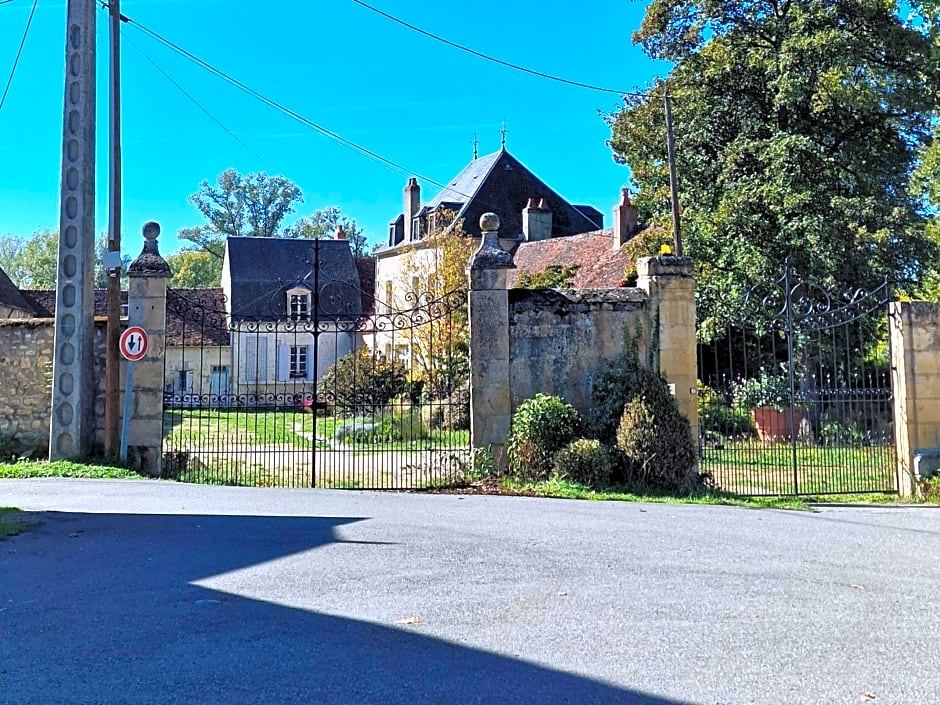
(673, 183)
(112, 420)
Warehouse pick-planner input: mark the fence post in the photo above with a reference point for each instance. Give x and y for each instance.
(670, 285)
(488, 303)
(146, 307)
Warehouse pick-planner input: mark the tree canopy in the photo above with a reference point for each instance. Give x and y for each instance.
(32, 262)
(251, 205)
(798, 127)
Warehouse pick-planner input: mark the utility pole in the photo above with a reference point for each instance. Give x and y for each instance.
(112, 421)
(673, 183)
(72, 427)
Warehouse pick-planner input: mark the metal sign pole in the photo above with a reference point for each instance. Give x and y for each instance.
(128, 404)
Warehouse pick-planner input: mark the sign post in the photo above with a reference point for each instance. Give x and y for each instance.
(133, 345)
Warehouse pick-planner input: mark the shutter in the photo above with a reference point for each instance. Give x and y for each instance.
(263, 360)
(311, 363)
(283, 363)
(251, 359)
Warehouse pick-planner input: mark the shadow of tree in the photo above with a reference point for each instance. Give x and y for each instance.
(102, 608)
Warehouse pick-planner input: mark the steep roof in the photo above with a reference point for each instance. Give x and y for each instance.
(11, 296)
(501, 184)
(262, 269)
(600, 266)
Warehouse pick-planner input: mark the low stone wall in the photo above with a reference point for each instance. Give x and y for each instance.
(26, 348)
(561, 339)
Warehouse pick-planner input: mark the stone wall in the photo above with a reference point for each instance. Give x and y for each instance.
(26, 349)
(560, 339)
(915, 347)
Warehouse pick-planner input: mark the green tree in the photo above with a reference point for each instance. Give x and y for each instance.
(323, 224)
(194, 269)
(798, 126)
(31, 262)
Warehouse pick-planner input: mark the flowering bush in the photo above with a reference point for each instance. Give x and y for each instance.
(765, 390)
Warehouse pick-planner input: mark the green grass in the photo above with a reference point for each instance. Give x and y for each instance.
(565, 489)
(216, 431)
(753, 468)
(10, 522)
(63, 468)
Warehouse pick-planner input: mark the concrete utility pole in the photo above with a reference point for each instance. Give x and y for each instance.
(112, 420)
(73, 386)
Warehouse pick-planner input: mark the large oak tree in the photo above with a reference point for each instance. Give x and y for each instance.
(798, 127)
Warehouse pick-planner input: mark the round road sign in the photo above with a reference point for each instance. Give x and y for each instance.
(134, 343)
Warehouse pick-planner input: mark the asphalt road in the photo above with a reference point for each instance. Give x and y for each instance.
(154, 592)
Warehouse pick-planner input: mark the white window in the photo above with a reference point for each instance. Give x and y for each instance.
(298, 362)
(299, 306)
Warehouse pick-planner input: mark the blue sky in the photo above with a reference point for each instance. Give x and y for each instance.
(397, 93)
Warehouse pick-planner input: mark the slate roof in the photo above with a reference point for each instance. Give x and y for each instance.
(11, 296)
(263, 269)
(366, 269)
(600, 265)
(501, 184)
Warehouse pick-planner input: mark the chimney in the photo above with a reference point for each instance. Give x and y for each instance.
(536, 221)
(625, 220)
(340, 233)
(412, 204)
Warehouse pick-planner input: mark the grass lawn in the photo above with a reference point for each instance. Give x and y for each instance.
(757, 468)
(63, 468)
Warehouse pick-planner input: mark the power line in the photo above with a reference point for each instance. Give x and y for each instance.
(487, 57)
(394, 166)
(18, 52)
(4, 2)
(201, 106)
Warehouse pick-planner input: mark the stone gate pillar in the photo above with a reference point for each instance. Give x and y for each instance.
(670, 285)
(490, 398)
(146, 307)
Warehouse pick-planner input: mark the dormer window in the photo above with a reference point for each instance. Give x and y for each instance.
(298, 304)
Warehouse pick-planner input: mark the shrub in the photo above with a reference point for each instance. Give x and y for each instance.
(765, 390)
(719, 420)
(541, 426)
(385, 428)
(834, 433)
(585, 461)
(613, 387)
(655, 438)
(360, 383)
(450, 414)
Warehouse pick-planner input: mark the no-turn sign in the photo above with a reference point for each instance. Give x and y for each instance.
(134, 343)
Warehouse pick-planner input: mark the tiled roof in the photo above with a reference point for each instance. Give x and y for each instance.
(193, 316)
(366, 268)
(11, 296)
(262, 269)
(196, 318)
(600, 266)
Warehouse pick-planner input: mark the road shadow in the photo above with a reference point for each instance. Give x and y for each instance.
(101, 608)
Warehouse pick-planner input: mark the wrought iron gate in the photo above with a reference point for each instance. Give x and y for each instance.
(795, 395)
(319, 390)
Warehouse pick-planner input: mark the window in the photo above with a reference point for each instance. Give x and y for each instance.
(299, 306)
(186, 380)
(298, 361)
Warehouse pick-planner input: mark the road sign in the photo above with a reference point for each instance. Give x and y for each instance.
(134, 343)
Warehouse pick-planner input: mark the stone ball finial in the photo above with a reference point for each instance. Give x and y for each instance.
(489, 222)
(151, 230)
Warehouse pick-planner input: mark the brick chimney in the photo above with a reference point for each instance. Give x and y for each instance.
(340, 234)
(625, 220)
(412, 205)
(536, 221)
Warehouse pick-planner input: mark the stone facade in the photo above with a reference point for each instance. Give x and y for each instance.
(26, 351)
(915, 345)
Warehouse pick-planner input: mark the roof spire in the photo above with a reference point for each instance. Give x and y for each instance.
(502, 132)
(476, 142)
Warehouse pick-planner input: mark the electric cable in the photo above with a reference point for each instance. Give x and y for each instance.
(19, 52)
(493, 59)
